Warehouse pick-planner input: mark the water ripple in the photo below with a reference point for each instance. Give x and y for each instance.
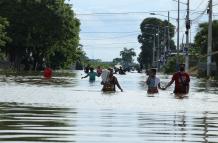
(24, 123)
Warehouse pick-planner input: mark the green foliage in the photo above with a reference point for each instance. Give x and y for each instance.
(127, 56)
(171, 66)
(4, 39)
(98, 62)
(201, 39)
(42, 31)
(126, 59)
(149, 30)
(194, 50)
(117, 60)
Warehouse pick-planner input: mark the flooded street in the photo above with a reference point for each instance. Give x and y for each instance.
(68, 109)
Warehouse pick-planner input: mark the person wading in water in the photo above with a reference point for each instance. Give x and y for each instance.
(153, 82)
(91, 75)
(182, 81)
(111, 82)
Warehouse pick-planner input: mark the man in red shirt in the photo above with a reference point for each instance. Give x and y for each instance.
(182, 81)
(47, 73)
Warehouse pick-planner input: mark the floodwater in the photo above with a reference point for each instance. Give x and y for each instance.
(68, 109)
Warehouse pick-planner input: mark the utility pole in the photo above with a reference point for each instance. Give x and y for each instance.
(177, 48)
(187, 39)
(158, 47)
(209, 49)
(168, 33)
(153, 52)
(165, 45)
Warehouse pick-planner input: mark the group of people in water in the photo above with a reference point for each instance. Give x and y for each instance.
(109, 81)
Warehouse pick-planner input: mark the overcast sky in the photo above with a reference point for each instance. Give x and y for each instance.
(104, 35)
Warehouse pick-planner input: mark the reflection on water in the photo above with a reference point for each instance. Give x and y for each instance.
(68, 109)
(65, 80)
(208, 86)
(25, 123)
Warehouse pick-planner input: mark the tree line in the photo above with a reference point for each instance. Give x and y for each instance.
(151, 27)
(201, 42)
(35, 33)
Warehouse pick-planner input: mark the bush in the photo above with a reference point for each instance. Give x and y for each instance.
(170, 66)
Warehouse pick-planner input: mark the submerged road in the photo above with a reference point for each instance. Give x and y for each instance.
(68, 109)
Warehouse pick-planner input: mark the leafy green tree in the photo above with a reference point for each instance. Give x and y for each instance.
(150, 28)
(42, 31)
(98, 62)
(201, 39)
(82, 59)
(117, 60)
(127, 56)
(3, 34)
(4, 39)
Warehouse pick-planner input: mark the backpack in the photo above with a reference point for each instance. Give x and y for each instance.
(184, 87)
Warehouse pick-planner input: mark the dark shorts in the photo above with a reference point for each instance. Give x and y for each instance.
(181, 90)
(152, 90)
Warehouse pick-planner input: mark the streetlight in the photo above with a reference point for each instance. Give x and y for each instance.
(153, 50)
(180, 2)
(158, 28)
(154, 45)
(177, 48)
(158, 48)
(168, 16)
(210, 37)
(166, 48)
(187, 36)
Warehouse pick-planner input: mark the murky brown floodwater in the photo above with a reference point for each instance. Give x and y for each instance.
(67, 109)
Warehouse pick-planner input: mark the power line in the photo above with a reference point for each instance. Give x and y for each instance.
(184, 19)
(114, 20)
(111, 43)
(198, 6)
(199, 16)
(125, 13)
(129, 12)
(124, 36)
(106, 32)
